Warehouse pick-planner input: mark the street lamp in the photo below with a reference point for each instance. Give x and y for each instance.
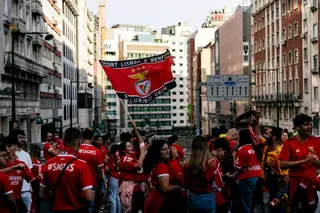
(90, 85)
(15, 33)
(277, 92)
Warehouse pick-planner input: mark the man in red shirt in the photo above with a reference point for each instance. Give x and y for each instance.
(74, 190)
(93, 157)
(16, 176)
(49, 148)
(301, 155)
(6, 192)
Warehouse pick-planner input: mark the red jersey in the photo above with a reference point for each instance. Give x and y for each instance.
(93, 157)
(113, 166)
(17, 176)
(233, 144)
(201, 183)
(127, 168)
(162, 169)
(46, 151)
(75, 179)
(180, 151)
(36, 165)
(247, 163)
(60, 144)
(175, 170)
(218, 184)
(5, 189)
(294, 150)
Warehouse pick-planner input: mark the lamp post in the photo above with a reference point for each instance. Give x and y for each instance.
(277, 89)
(70, 94)
(14, 34)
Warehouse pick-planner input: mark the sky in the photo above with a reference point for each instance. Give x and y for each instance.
(160, 13)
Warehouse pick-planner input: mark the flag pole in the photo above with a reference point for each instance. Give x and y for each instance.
(125, 109)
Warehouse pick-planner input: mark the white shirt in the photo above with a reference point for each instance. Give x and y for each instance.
(25, 157)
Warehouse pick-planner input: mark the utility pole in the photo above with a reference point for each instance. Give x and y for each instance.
(198, 115)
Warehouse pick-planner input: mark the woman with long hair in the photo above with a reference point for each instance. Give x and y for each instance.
(164, 184)
(247, 165)
(198, 177)
(131, 191)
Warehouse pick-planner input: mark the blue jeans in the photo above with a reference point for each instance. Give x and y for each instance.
(26, 197)
(91, 206)
(204, 203)
(114, 198)
(246, 191)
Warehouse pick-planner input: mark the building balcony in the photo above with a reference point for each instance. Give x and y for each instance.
(315, 70)
(25, 64)
(72, 4)
(37, 8)
(313, 7)
(19, 23)
(89, 36)
(37, 41)
(90, 26)
(314, 39)
(90, 50)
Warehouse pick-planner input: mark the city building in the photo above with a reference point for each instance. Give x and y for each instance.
(85, 66)
(231, 57)
(70, 55)
(24, 17)
(51, 111)
(201, 38)
(176, 37)
(281, 69)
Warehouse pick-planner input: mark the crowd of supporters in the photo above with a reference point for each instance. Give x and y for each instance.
(260, 169)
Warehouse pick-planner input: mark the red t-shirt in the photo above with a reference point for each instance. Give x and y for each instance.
(36, 165)
(5, 189)
(180, 151)
(127, 167)
(76, 179)
(17, 176)
(175, 170)
(294, 150)
(93, 157)
(60, 144)
(247, 162)
(233, 144)
(162, 169)
(113, 166)
(46, 148)
(201, 183)
(219, 184)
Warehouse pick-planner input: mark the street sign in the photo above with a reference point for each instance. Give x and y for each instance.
(228, 87)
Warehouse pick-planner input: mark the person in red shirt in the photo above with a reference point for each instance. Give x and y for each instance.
(7, 201)
(247, 165)
(215, 133)
(173, 141)
(16, 176)
(56, 138)
(36, 167)
(114, 199)
(74, 190)
(198, 177)
(49, 148)
(164, 185)
(93, 157)
(301, 155)
(131, 191)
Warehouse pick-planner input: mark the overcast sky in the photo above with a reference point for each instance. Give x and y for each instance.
(160, 13)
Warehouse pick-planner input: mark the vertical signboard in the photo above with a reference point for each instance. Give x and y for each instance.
(217, 52)
(246, 54)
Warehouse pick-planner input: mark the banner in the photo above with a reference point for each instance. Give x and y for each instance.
(141, 80)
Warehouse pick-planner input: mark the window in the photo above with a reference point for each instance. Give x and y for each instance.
(289, 32)
(277, 12)
(181, 86)
(284, 35)
(174, 114)
(181, 100)
(263, 43)
(181, 122)
(290, 58)
(174, 93)
(315, 30)
(296, 56)
(272, 40)
(181, 65)
(296, 86)
(181, 114)
(315, 93)
(289, 5)
(181, 93)
(284, 9)
(305, 85)
(174, 100)
(295, 29)
(173, 50)
(284, 59)
(295, 4)
(305, 54)
(315, 61)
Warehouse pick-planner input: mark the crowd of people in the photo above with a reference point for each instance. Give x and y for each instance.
(260, 169)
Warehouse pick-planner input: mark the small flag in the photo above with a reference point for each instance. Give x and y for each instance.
(141, 80)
